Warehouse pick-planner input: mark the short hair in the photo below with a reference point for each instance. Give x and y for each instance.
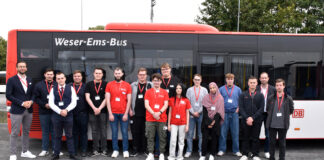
(157, 75)
(98, 68)
(264, 73)
(77, 71)
(59, 73)
(229, 75)
(20, 62)
(198, 75)
(49, 70)
(118, 69)
(280, 80)
(252, 77)
(142, 69)
(165, 65)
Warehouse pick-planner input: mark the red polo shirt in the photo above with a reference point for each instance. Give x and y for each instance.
(156, 102)
(178, 115)
(118, 95)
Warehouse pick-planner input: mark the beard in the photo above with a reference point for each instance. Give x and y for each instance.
(117, 79)
(21, 72)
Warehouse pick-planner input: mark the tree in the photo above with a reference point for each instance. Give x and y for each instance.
(283, 16)
(99, 27)
(3, 53)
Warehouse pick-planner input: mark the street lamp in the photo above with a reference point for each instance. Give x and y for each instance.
(238, 16)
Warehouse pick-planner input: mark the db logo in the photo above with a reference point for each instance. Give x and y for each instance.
(298, 113)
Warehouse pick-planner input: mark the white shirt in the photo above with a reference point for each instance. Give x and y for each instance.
(264, 92)
(23, 82)
(70, 107)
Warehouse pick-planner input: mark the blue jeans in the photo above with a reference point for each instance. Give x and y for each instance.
(80, 131)
(47, 129)
(231, 121)
(124, 130)
(193, 121)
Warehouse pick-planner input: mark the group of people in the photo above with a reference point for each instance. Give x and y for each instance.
(160, 112)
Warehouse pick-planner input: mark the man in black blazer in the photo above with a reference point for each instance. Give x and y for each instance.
(19, 92)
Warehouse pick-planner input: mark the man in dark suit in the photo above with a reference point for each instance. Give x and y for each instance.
(19, 92)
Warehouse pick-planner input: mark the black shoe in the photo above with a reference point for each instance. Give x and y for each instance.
(94, 153)
(73, 157)
(104, 153)
(133, 153)
(83, 154)
(55, 157)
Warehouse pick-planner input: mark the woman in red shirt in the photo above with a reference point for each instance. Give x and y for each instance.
(178, 121)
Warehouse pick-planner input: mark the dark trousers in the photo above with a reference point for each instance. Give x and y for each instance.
(206, 133)
(80, 130)
(251, 136)
(266, 132)
(282, 142)
(138, 133)
(60, 123)
(98, 125)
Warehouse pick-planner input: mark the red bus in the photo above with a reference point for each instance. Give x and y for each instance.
(190, 49)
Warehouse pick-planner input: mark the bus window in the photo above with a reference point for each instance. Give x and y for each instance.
(300, 70)
(34, 53)
(212, 69)
(242, 67)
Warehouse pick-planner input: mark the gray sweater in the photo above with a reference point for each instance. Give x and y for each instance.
(134, 92)
(192, 98)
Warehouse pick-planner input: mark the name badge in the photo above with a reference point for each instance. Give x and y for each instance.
(117, 99)
(61, 103)
(230, 101)
(213, 108)
(157, 91)
(182, 102)
(177, 116)
(123, 92)
(47, 96)
(97, 98)
(279, 114)
(77, 98)
(171, 86)
(167, 90)
(156, 106)
(140, 96)
(131, 121)
(197, 104)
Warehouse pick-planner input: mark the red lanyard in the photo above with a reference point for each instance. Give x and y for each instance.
(59, 91)
(141, 89)
(213, 102)
(78, 89)
(166, 85)
(48, 89)
(282, 98)
(197, 97)
(251, 94)
(266, 94)
(23, 82)
(97, 90)
(229, 95)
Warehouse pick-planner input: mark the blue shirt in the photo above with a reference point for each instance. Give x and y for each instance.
(230, 107)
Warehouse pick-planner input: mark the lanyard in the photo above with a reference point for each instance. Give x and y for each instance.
(282, 98)
(166, 85)
(78, 89)
(97, 90)
(251, 93)
(197, 97)
(141, 89)
(59, 91)
(229, 95)
(213, 102)
(266, 94)
(48, 89)
(23, 82)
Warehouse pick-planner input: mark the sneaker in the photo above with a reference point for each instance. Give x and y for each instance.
(187, 155)
(256, 158)
(13, 157)
(104, 153)
(133, 154)
(202, 158)
(171, 158)
(244, 157)
(267, 155)
(61, 153)
(161, 157)
(115, 154)
(27, 154)
(126, 154)
(150, 156)
(211, 157)
(43, 153)
(94, 153)
(220, 153)
(239, 154)
(179, 158)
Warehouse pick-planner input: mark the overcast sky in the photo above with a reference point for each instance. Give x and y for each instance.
(66, 14)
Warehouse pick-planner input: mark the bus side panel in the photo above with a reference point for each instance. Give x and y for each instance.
(11, 64)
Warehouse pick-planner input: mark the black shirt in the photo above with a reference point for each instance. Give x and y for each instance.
(82, 105)
(90, 88)
(139, 102)
(170, 84)
(40, 93)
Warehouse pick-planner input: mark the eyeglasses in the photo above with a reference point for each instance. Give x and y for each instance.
(197, 79)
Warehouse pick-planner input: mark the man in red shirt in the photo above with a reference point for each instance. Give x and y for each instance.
(156, 104)
(118, 97)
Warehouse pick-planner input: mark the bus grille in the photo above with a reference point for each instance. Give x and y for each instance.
(35, 123)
